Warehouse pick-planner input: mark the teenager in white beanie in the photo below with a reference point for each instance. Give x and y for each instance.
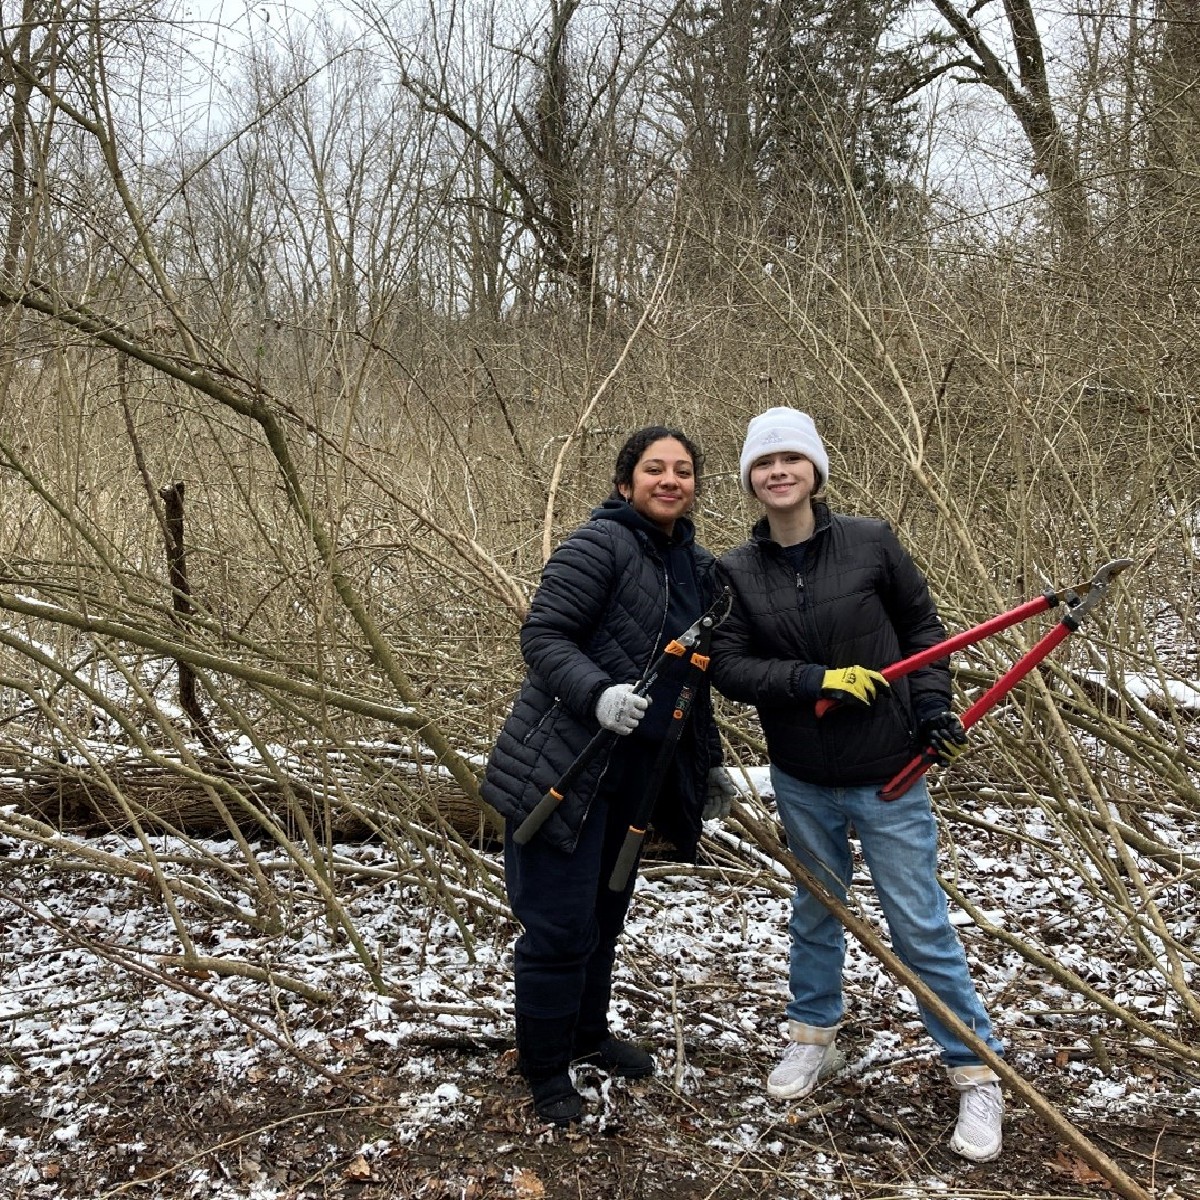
(779, 430)
(822, 604)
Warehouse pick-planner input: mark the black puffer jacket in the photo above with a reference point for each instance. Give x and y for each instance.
(859, 600)
(600, 617)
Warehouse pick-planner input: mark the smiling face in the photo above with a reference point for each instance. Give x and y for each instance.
(663, 487)
(783, 482)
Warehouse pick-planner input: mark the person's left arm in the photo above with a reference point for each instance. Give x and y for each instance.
(914, 617)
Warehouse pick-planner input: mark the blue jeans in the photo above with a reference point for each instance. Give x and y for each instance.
(899, 843)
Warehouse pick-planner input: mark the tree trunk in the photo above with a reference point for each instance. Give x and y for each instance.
(1173, 194)
(1029, 99)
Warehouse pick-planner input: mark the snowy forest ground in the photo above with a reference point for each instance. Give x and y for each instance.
(120, 1076)
(313, 344)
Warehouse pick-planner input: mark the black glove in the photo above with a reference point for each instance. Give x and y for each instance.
(942, 732)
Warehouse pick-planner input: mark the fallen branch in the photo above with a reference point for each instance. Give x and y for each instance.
(1069, 978)
(203, 965)
(126, 960)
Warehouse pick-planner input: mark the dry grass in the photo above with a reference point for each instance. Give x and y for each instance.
(1016, 437)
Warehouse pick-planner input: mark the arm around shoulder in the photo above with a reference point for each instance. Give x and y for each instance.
(914, 615)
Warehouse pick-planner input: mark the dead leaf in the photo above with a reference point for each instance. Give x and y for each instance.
(359, 1170)
(1078, 1170)
(526, 1185)
(51, 1171)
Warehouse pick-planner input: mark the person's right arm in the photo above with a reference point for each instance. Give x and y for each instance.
(565, 612)
(746, 668)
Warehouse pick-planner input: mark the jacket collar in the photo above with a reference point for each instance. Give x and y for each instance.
(623, 513)
(761, 533)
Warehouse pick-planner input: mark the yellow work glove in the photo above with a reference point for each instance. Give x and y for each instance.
(855, 685)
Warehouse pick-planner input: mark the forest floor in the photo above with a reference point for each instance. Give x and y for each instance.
(122, 1076)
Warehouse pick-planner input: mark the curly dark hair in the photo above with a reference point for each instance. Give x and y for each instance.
(635, 446)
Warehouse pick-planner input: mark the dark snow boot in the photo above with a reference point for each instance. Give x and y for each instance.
(616, 1057)
(555, 1099)
(593, 1043)
(544, 1057)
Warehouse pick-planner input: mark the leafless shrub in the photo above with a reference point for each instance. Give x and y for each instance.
(373, 478)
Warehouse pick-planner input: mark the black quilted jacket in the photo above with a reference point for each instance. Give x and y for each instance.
(858, 601)
(599, 617)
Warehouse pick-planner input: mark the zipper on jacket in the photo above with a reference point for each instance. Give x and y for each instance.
(662, 624)
(807, 618)
(653, 655)
(542, 720)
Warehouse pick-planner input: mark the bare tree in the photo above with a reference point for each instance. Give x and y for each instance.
(1174, 125)
(554, 146)
(1029, 97)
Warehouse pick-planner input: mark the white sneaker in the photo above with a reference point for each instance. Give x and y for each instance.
(979, 1134)
(802, 1067)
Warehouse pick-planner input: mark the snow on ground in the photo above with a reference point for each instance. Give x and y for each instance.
(95, 1024)
(1185, 696)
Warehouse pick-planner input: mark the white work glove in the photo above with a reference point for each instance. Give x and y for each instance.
(619, 708)
(720, 795)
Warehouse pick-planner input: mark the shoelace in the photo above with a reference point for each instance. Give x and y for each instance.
(984, 1104)
(795, 1050)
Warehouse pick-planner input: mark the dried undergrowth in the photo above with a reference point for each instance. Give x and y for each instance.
(357, 567)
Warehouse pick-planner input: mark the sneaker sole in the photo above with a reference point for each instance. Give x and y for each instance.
(828, 1070)
(971, 1154)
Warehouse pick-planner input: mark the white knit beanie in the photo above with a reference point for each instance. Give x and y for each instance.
(780, 431)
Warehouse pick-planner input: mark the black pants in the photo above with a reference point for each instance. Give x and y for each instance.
(563, 960)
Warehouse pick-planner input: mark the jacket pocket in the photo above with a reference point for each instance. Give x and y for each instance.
(542, 722)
